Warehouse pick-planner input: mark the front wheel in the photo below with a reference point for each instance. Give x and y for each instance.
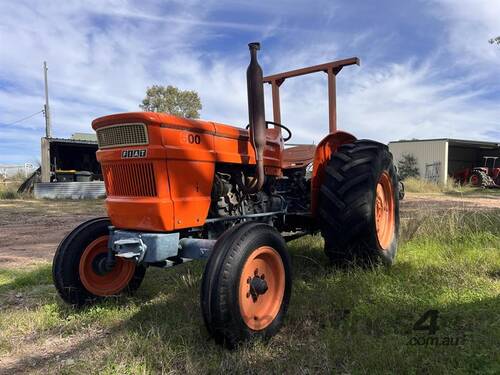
(78, 268)
(246, 285)
(359, 204)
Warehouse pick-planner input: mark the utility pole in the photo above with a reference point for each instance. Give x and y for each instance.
(46, 111)
(45, 146)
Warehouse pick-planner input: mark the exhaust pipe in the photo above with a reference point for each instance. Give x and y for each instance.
(256, 116)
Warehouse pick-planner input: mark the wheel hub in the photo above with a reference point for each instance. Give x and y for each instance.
(258, 286)
(96, 274)
(262, 287)
(100, 265)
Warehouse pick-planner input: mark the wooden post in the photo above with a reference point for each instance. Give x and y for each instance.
(48, 124)
(45, 147)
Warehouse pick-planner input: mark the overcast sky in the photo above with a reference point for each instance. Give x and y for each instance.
(427, 69)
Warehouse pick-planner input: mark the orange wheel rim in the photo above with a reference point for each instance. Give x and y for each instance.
(108, 283)
(262, 287)
(384, 211)
(474, 180)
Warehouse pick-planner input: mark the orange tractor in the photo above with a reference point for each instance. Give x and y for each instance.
(181, 189)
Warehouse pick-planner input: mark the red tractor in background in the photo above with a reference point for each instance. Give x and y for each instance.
(181, 189)
(486, 176)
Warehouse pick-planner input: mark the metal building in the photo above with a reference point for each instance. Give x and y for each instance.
(75, 153)
(437, 159)
(69, 168)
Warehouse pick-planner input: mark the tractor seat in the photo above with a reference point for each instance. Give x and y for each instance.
(298, 156)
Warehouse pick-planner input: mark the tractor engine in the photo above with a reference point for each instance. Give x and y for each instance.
(231, 200)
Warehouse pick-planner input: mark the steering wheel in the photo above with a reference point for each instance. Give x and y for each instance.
(285, 139)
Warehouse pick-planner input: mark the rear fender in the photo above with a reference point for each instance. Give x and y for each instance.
(324, 151)
(481, 169)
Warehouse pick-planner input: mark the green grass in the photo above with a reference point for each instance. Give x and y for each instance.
(350, 320)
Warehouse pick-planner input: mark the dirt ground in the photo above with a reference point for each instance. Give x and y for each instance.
(431, 202)
(30, 230)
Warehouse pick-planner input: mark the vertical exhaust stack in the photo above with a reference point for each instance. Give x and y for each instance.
(256, 114)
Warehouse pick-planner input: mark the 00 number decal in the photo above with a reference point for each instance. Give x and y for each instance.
(191, 139)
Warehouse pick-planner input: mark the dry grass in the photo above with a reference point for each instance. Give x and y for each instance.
(417, 185)
(9, 190)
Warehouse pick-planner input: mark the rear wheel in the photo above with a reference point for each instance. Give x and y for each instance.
(246, 285)
(359, 204)
(479, 178)
(78, 268)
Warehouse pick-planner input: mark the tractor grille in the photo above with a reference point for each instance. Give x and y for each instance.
(130, 179)
(122, 135)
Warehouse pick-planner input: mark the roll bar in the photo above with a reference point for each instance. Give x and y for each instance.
(330, 68)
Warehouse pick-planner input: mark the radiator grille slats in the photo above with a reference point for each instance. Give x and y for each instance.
(122, 135)
(130, 179)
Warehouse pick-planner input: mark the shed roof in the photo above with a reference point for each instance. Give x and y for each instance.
(72, 141)
(84, 136)
(454, 142)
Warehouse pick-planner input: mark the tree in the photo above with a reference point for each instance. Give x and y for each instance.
(171, 100)
(407, 167)
(495, 40)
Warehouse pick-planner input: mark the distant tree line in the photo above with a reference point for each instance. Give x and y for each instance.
(495, 40)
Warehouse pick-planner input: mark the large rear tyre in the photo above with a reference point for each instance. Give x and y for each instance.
(77, 266)
(359, 204)
(479, 178)
(246, 285)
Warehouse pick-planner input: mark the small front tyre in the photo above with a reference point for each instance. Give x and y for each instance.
(246, 285)
(77, 269)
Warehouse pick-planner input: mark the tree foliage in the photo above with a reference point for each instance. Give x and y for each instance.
(495, 40)
(407, 167)
(170, 99)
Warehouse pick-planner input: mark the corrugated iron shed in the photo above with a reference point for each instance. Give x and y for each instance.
(70, 190)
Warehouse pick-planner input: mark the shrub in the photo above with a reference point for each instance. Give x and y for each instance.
(8, 194)
(407, 167)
